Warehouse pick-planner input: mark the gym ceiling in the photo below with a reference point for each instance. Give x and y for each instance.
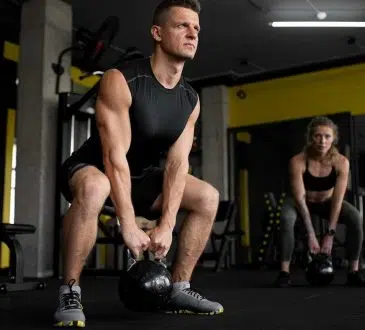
(236, 35)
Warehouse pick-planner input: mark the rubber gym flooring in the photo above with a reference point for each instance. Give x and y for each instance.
(250, 303)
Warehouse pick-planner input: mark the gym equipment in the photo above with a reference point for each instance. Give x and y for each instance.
(90, 45)
(95, 44)
(8, 235)
(319, 271)
(222, 242)
(268, 250)
(144, 285)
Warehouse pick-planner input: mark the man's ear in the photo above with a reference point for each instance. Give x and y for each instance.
(156, 33)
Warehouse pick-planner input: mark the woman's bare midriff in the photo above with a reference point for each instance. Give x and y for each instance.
(318, 196)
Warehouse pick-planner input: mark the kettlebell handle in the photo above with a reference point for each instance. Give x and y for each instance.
(319, 256)
(129, 260)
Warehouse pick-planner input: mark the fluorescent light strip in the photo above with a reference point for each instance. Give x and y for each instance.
(318, 24)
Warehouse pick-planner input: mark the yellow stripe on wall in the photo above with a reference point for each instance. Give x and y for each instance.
(304, 95)
(244, 137)
(10, 138)
(11, 53)
(245, 213)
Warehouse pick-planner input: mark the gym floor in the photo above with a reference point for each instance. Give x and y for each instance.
(250, 303)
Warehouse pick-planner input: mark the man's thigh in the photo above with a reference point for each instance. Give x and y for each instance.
(196, 190)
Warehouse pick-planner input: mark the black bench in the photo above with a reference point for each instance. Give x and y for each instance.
(16, 282)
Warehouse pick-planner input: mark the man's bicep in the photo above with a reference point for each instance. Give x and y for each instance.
(114, 128)
(112, 114)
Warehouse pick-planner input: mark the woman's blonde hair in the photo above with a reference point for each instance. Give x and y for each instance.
(322, 121)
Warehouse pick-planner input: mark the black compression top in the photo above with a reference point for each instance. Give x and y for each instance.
(158, 117)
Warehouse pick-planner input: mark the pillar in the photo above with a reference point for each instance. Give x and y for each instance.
(214, 105)
(46, 30)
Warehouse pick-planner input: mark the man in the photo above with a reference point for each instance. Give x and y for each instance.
(319, 177)
(143, 110)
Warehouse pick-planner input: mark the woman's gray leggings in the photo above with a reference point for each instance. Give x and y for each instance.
(349, 216)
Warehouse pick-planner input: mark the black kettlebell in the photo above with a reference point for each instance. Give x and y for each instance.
(319, 271)
(144, 285)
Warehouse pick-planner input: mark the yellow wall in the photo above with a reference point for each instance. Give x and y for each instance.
(323, 92)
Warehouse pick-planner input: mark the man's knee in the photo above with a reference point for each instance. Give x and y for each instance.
(91, 188)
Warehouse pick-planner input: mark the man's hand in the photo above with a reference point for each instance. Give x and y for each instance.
(161, 239)
(313, 244)
(327, 244)
(135, 239)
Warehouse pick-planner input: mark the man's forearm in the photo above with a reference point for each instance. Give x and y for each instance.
(173, 189)
(305, 215)
(120, 181)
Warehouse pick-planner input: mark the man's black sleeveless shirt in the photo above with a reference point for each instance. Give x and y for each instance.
(158, 117)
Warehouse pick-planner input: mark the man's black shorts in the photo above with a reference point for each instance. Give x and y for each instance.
(145, 188)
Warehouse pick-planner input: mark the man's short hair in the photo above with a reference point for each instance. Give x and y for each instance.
(165, 5)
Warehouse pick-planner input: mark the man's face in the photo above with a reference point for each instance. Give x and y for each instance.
(178, 35)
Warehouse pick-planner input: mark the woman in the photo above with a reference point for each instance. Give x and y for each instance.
(319, 178)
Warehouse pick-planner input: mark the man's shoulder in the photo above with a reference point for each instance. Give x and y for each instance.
(133, 69)
(186, 83)
(190, 90)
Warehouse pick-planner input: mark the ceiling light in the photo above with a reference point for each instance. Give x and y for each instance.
(319, 24)
(321, 15)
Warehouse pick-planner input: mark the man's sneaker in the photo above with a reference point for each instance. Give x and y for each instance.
(69, 312)
(283, 280)
(189, 301)
(355, 279)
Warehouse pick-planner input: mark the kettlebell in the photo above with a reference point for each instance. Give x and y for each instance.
(319, 271)
(144, 285)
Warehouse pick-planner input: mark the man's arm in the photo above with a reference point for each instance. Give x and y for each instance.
(176, 169)
(113, 123)
(339, 192)
(298, 189)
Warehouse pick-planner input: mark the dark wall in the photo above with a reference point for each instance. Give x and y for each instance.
(359, 123)
(9, 21)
